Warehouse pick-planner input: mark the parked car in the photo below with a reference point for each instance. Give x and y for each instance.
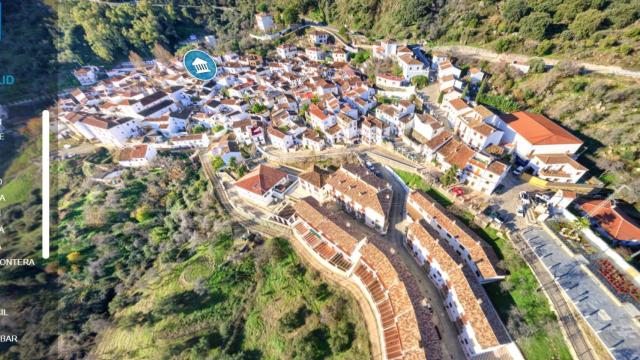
(543, 198)
(520, 211)
(518, 171)
(524, 198)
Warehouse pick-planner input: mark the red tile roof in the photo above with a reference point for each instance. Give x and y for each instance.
(537, 129)
(261, 180)
(613, 219)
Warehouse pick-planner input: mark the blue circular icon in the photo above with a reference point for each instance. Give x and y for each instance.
(200, 65)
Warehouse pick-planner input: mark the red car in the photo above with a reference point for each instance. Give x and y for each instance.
(457, 191)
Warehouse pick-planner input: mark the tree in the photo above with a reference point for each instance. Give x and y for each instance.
(537, 65)
(465, 91)
(514, 10)
(293, 319)
(217, 163)
(342, 337)
(290, 15)
(450, 176)
(586, 23)
(143, 213)
(262, 7)
(161, 54)
(535, 25)
(420, 81)
(580, 224)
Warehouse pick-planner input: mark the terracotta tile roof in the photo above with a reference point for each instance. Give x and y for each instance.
(275, 132)
(399, 321)
(333, 225)
(458, 104)
(315, 176)
(456, 153)
(437, 141)
(408, 59)
(477, 310)
(363, 187)
(555, 159)
(484, 129)
(537, 129)
(136, 152)
(613, 219)
(261, 180)
(390, 77)
(481, 253)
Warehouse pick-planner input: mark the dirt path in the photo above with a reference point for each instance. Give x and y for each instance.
(484, 54)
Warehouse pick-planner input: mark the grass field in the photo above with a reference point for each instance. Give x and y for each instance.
(414, 181)
(218, 303)
(535, 325)
(22, 176)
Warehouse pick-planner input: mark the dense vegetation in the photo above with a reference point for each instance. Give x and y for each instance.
(151, 267)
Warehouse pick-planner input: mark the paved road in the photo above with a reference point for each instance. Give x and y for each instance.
(613, 322)
(395, 234)
(491, 56)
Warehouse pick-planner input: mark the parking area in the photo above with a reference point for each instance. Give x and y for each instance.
(616, 324)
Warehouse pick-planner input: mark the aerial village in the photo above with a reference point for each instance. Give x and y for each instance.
(308, 101)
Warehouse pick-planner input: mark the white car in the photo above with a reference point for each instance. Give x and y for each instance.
(520, 211)
(518, 171)
(524, 198)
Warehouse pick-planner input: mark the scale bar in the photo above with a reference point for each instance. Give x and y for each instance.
(46, 212)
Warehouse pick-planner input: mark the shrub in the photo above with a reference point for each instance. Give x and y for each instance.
(420, 81)
(143, 213)
(342, 337)
(293, 319)
(544, 48)
(623, 15)
(537, 66)
(535, 25)
(74, 257)
(217, 163)
(514, 10)
(586, 23)
(503, 44)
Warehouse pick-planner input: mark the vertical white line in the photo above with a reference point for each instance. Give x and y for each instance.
(45, 185)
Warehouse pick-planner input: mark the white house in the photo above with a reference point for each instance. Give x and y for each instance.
(139, 155)
(226, 149)
(287, 51)
(320, 118)
(264, 22)
(362, 194)
(426, 126)
(190, 141)
(557, 168)
(374, 131)
(264, 185)
(315, 54)
(411, 66)
(87, 75)
(279, 139)
(535, 134)
(312, 140)
(113, 132)
(476, 75)
(484, 174)
(318, 37)
(386, 49)
(389, 81)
